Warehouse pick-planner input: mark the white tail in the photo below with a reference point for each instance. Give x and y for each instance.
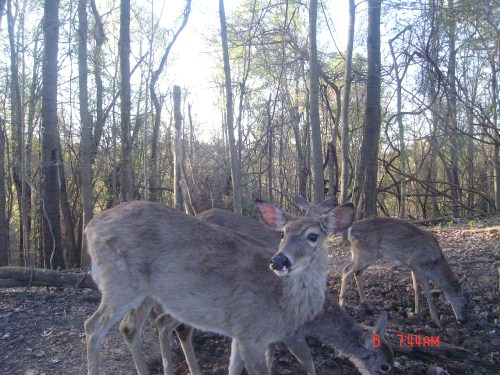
(396, 240)
(208, 278)
(333, 326)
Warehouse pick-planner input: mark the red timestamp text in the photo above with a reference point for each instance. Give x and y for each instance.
(406, 339)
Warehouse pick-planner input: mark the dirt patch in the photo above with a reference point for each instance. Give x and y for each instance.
(41, 330)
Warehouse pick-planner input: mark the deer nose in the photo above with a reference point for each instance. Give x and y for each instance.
(280, 261)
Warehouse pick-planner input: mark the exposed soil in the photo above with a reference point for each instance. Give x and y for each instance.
(41, 330)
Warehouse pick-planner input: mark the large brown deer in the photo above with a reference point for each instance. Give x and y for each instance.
(333, 326)
(143, 252)
(401, 242)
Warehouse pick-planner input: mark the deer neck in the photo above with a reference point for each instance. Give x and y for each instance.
(304, 292)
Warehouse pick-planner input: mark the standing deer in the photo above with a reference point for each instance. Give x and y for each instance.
(332, 327)
(144, 252)
(396, 240)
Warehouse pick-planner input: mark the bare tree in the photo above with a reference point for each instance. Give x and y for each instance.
(344, 185)
(153, 178)
(399, 76)
(4, 224)
(235, 176)
(371, 133)
(451, 128)
(52, 245)
(125, 104)
(318, 179)
(87, 123)
(18, 144)
(178, 193)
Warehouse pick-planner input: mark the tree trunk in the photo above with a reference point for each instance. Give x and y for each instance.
(317, 149)
(178, 193)
(399, 108)
(235, 178)
(100, 39)
(270, 150)
(87, 125)
(71, 258)
(4, 223)
(452, 115)
(195, 202)
(52, 245)
(126, 144)
(344, 174)
(371, 133)
(18, 144)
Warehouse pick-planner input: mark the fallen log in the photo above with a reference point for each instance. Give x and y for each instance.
(11, 277)
(449, 356)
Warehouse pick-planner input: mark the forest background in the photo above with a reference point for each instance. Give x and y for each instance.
(402, 121)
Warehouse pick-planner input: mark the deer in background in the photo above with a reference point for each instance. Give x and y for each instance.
(332, 326)
(144, 252)
(399, 241)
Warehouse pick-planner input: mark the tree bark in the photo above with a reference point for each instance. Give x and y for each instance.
(317, 148)
(399, 108)
(126, 144)
(371, 132)
(452, 115)
(87, 126)
(344, 174)
(4, 224)
(52, 245)
(18, 144)
(235, 177)
(178, 193)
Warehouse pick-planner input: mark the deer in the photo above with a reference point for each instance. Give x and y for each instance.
(399, 241)
(332, 327)
(146, 253)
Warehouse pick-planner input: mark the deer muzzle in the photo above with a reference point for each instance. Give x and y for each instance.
(280, 264)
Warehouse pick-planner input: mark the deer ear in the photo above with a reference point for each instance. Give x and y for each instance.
(338, 219)
(366, 339)
(381, 324)
(272, 215)
(302, 202)
(327, 204)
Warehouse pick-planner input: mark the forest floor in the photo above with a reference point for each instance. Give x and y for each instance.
(41, 330)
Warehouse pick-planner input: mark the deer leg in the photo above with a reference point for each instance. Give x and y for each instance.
(417, 293)
(254, 356)
(236, 363)
(358, 276)
(185, 335)
(270, 356)
(97, 326)
(298, 347)
(166, 324)
(346, 274)
(131, 328)
(421, 278)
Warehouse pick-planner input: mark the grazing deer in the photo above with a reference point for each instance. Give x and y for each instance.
(144, 252)
(332, 327)
(396, 240)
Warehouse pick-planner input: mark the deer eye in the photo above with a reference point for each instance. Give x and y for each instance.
(282, 234)
(385, 368)
(313, 237)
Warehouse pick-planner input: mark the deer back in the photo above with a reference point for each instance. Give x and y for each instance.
(244, 227)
